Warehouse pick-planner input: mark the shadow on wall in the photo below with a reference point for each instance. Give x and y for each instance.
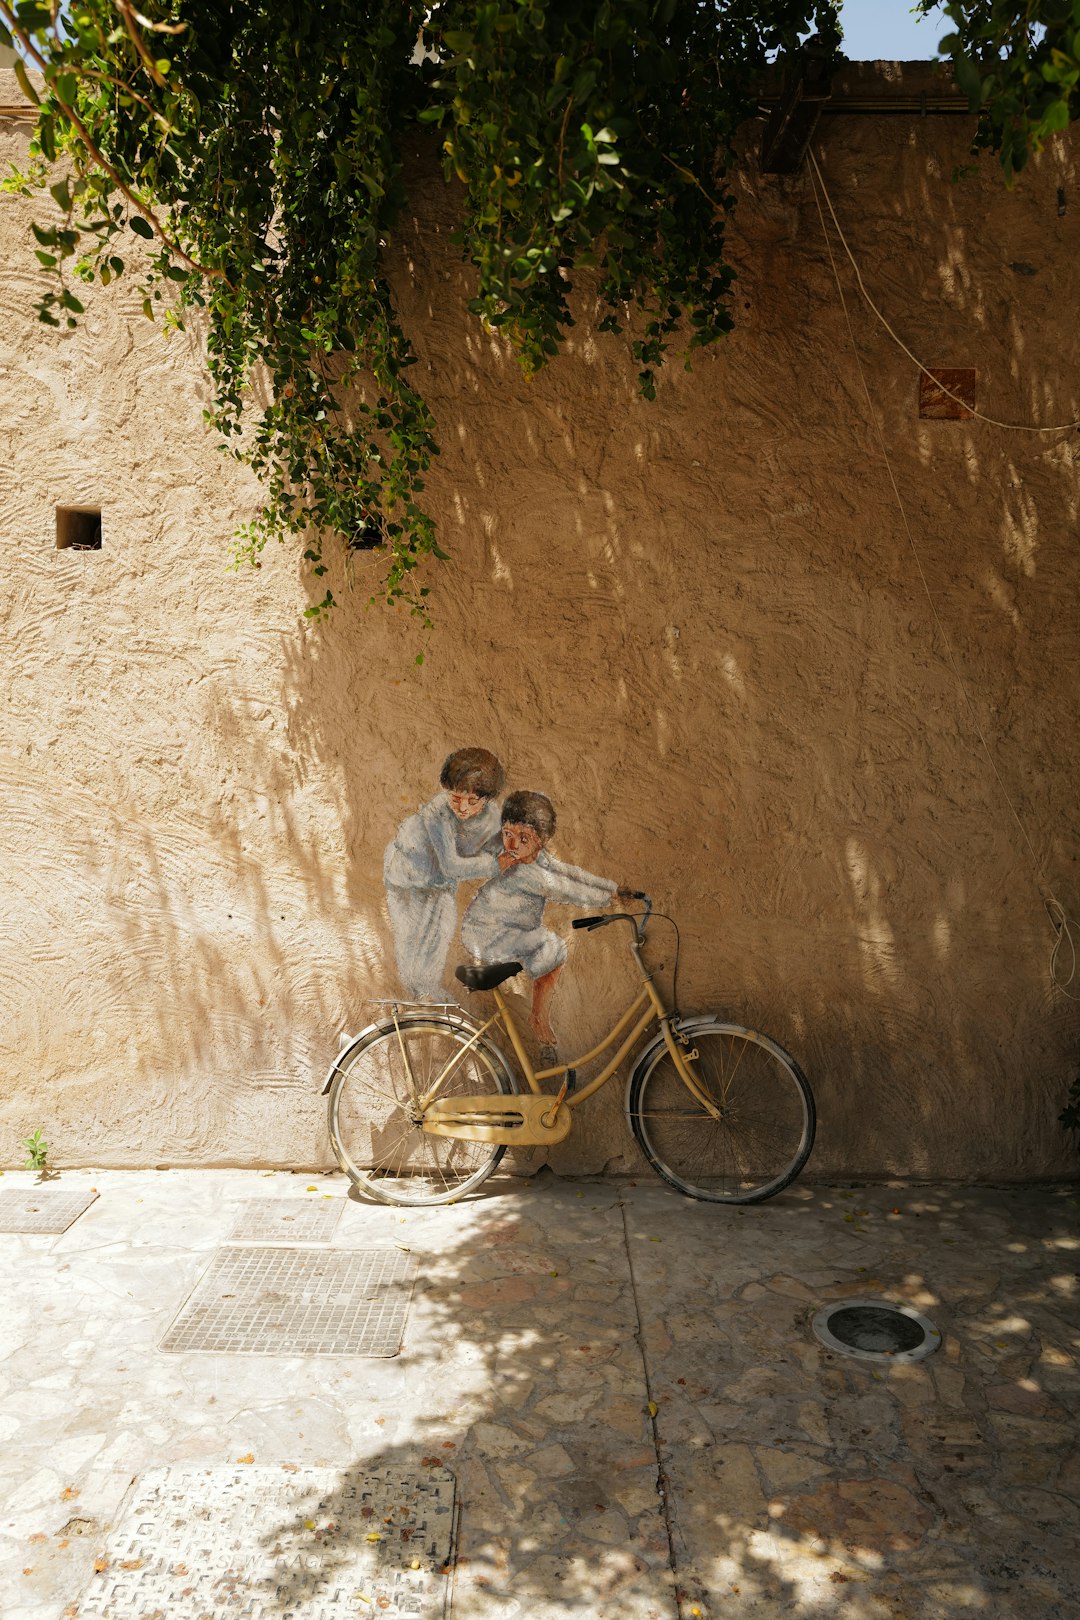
(775, 1474)
(698, 627)
(216, 946)
(738, 698)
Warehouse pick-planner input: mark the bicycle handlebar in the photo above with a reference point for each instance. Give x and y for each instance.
(639, 921)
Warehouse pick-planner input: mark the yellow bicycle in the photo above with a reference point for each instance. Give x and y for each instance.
(424, 1104)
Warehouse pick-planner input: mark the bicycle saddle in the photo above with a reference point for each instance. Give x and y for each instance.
(486, 978)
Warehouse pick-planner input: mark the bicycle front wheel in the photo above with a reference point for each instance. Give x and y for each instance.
(765, 1131)
(375, 1124)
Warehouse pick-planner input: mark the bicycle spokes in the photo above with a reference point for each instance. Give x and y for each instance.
(752, 1137)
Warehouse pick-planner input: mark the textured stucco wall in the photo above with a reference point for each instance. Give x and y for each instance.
(697, 624)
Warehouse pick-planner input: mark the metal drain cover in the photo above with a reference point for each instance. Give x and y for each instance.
(286, 1220)
(297, 1302)
(42, 1211)
(317, 1543)
(876, 1330)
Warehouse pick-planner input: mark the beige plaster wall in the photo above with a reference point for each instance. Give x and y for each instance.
(696, 624)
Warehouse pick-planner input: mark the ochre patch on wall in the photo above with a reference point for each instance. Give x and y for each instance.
(947, 394)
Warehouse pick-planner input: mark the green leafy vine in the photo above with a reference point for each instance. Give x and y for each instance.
(1018, 63)
(252, 153)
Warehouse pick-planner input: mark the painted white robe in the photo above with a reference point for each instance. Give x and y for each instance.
(504, 920)
(430, 854)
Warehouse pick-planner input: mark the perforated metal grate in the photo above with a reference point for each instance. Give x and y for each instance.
(287, 1543)
(286, 1220)
(294, 1302)
(45, 1211)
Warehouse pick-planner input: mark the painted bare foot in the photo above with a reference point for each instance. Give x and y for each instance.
(542, 1030)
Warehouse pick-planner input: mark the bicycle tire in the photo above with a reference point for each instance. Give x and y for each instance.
(767, 1132)
(375, 1135)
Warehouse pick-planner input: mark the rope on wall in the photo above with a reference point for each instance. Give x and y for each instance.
(1055, 911)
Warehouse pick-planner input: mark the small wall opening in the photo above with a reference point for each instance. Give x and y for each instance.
(946, 394)
(78, 528)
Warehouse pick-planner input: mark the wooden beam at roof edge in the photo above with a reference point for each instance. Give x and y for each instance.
(876, 89)
(806, 88)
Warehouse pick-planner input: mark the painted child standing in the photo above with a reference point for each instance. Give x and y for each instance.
(504, 920)
(450, 840)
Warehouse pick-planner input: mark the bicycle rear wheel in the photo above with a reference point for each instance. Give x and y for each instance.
(375, 1126)
(766, 1129)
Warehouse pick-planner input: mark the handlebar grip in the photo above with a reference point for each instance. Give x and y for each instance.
(590, 922)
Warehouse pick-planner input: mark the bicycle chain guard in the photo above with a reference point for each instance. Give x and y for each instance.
(508, 1120)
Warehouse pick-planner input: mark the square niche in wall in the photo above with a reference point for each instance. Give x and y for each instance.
(946, 394)
(78, 528)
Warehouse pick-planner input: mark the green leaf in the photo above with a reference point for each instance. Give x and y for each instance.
(1056, 117)
(27, 88)
(140, 226)
(968, 79)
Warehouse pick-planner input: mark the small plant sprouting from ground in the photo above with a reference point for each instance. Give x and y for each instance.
(1070, 1114)
(37, 1150)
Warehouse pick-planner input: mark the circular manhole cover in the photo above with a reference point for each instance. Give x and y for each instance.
(876, 1330)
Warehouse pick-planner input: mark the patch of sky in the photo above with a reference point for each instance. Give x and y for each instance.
(889, 31)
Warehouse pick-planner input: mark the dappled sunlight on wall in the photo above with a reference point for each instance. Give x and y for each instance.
(697, 625)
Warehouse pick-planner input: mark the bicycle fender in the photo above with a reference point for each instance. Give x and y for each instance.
(685, 1026)
(408, 1015)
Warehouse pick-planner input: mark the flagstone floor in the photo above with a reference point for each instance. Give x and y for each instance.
(623, 1385)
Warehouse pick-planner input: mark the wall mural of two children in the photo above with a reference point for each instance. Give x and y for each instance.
(461, 836)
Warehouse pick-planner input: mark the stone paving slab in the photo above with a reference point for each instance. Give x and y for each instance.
(286, 1220)
(807, 1480)
(624, 1384)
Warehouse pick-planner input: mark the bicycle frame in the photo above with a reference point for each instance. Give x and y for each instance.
(544, 1117)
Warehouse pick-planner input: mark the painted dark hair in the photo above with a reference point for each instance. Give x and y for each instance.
(472, 770)
(530, 810)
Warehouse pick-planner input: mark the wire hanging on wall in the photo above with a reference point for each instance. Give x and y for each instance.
(991, 421)
(1055, 911)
